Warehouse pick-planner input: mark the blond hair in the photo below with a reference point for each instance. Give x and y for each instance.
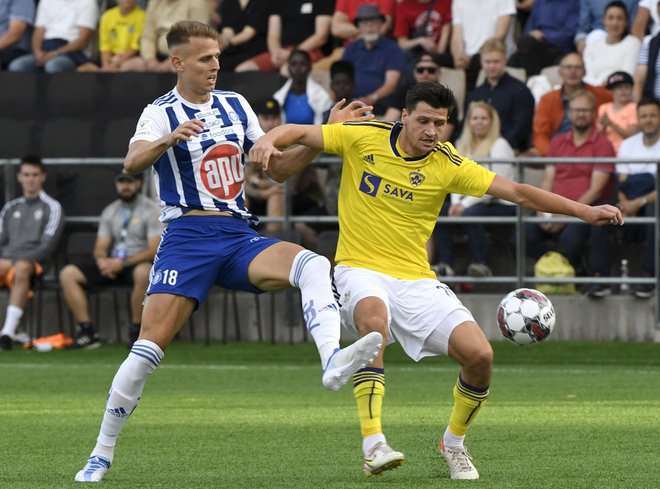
(468, 144)
(493, 44)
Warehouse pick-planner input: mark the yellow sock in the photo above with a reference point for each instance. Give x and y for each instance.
(369, 390)
(468, 401)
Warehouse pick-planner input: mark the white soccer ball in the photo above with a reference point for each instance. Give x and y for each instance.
(526, 316)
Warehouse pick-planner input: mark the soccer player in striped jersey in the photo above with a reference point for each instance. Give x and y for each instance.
(394, 180)
(195, 138)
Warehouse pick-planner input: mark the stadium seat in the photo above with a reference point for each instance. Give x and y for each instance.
(552, 74)
(18, 137)
(455, 81)
(66, 138)
(126, 94)
(114, 136)
(18, 95)
(73, 94)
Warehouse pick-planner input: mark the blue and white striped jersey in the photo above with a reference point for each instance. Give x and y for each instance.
(207, 172)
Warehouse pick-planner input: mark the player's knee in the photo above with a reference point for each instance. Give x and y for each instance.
(374, 322)
(23, 269)
(319, 265)
(481, 360)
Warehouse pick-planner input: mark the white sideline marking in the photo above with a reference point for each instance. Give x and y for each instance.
(416, 368)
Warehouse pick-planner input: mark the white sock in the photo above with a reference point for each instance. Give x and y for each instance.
(451, 440)
(125, 393)
(370, 442)
(14, 315)
(311, 274)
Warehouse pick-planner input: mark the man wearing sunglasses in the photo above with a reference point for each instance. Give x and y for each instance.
(426, 68)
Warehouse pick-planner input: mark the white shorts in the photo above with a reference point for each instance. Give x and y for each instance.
(421, 313)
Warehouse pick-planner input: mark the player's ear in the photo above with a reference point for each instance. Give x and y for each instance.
(177, 62)
(404, 115)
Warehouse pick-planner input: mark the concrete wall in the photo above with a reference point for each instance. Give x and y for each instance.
(277, 317)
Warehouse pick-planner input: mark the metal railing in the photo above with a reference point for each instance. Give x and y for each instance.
(520, 278)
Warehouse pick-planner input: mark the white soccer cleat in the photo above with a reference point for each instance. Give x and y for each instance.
(94, 470)
(345, 362)
(381, 458)
(459, 461)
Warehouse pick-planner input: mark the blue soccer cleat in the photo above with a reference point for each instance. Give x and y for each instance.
(94, 470)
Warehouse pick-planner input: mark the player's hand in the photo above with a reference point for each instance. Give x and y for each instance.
(604, 214)
(185, 132)
(355, 111)
(456, 210)
(262, 152)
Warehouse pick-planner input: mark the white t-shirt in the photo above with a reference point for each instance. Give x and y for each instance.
(478, 18)
(62, 19)
(652, 7)
(602, 59)
(634, 147)
(501, 149)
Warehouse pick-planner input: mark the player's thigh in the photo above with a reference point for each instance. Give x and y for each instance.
(270, 269)
(363, 299)
(468, 345)
(424, 317)
(163, 316)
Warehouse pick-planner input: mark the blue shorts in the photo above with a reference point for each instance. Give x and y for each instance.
(197, 252)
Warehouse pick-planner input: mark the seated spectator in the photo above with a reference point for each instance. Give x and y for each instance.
(63, 30)
(343, 19)
(647, 19)
(299, 24)
(638, 184)
(510, 97)
(160, 15)
(342, 84)
(426, 68)
(424, 26)
(378, 61)
(243, 31)
(590, 23)
(548, 35)
(617, 51)
(126, 243)
(647, 79)
(119, 36)
(303, 100)
(551, 117)
(589, 184)
(480, 139)
(618, 119)
(16, 21)
(265, 196)
(474, 22)
(30, 227)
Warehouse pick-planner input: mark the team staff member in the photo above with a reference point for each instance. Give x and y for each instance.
(394, 181)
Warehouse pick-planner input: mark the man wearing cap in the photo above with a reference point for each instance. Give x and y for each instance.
(127, 239)
(378, 61)
(30, 227)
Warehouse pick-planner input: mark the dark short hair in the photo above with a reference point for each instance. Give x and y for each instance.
(32, 159)
(343, 66)
(620, 5)
(300, 52)
(648, 101)
(181, 32)
(433, 93)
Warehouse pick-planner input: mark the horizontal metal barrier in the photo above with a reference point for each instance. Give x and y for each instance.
(519, 278)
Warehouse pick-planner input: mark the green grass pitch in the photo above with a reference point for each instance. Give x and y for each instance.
(561, 415)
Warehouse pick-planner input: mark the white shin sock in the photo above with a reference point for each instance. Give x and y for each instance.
(125, 393)
(311, 274)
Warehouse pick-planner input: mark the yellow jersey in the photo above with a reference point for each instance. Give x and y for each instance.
(388, 201)
(120, 33)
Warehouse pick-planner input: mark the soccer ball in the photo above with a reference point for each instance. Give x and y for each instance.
(526, 316)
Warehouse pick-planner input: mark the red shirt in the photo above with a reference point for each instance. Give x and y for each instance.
(411, 15)
(350, 7)
(573, 180)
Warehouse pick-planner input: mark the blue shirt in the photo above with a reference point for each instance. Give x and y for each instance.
(20, 10)
(298, 110)
(371, 64)
(558, 21)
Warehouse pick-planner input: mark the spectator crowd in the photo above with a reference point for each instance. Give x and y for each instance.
(557, 78)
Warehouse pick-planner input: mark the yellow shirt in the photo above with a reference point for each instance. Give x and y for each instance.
(119, 33)
(389, 202)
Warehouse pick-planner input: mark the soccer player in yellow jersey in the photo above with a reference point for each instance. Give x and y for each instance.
(394, 180)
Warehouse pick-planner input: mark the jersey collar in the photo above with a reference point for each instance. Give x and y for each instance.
(394, 137)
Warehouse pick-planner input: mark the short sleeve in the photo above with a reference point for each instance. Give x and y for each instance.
(151, 126)
(105, 223)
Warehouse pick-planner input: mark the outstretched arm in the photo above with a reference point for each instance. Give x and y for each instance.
(280, 165)
(542, 200)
